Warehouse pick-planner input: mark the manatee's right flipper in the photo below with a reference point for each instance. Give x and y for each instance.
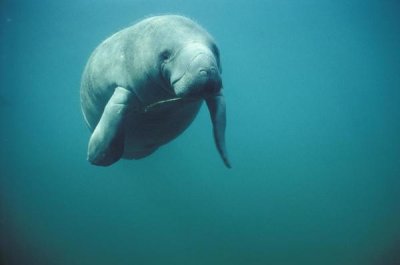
(106, 145)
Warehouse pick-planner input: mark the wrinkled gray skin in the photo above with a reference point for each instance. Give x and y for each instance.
(143, 86)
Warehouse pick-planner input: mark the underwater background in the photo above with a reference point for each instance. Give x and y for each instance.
(313, 102)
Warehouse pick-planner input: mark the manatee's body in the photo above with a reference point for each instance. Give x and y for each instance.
(144, 85)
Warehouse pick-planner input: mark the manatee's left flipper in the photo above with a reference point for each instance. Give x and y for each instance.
(217, 108)
(106, 145)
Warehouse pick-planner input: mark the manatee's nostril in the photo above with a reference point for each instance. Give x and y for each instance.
(208, 72)
(203, 72)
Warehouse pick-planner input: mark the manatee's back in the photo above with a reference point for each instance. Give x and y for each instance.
(108, 67)
(105, 70)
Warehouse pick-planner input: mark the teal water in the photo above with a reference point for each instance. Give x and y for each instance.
(313, 96)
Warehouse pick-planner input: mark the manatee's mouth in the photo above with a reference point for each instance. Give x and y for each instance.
(173, 83)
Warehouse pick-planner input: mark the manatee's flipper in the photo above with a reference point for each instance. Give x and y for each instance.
(106, 144)
(217, 108)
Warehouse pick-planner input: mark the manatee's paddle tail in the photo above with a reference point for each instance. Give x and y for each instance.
(217, 108)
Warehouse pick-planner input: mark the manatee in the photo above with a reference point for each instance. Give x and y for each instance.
(144, 85)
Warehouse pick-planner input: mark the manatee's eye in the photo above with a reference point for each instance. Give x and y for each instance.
(166, 55)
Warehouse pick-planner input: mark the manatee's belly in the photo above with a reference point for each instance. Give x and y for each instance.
(145, 132)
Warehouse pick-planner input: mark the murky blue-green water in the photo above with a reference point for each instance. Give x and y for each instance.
(313, 95)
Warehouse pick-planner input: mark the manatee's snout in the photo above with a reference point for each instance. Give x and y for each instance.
(196, 73)
(207, 79)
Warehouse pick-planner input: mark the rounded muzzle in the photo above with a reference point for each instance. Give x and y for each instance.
(200, 78)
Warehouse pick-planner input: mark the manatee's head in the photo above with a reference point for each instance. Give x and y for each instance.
(193, 70)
